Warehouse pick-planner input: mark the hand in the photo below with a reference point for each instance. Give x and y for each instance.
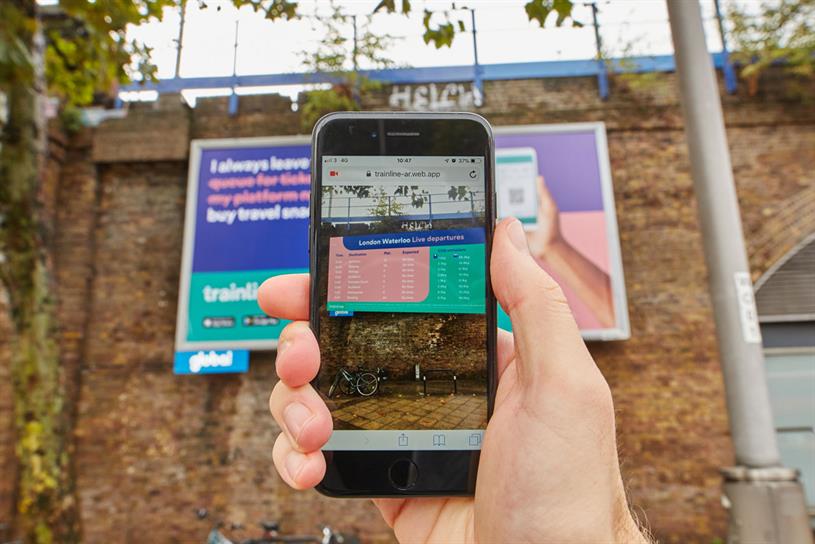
(549, 470)
(546, 235)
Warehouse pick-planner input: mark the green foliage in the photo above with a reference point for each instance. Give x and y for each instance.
(624, 70)
(442, 34)
(16, 58)
(45, 507)
(87, 50)
(71, 119)
(390, 6)
(783, 32)
(322, 101)
(385, 205)
(459, 192)
(441, 27)
(540, 10)
(417, 197)
(274, 9)
(337, 58)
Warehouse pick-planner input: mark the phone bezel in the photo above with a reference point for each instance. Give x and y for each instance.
(363, 473)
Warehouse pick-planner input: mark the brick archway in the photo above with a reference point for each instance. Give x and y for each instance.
(775, 235)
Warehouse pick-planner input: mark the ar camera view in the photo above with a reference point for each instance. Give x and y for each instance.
(402, 312)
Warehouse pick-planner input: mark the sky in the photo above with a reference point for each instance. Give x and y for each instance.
(504, 34)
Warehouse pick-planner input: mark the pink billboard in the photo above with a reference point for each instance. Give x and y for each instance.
(557, 180)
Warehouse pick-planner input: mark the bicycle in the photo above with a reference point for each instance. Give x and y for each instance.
(4, 528)
(271, 534)
(363, 382)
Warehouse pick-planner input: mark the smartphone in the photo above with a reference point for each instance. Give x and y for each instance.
(402, 218)
(516, 174)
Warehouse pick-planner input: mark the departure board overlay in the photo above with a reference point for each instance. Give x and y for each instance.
(437, 271)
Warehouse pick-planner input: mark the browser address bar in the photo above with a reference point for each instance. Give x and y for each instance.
(401, 175)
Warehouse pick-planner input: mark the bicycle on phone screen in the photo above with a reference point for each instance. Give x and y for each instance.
(361, 382)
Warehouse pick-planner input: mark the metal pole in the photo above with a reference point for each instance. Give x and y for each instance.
(760, 485)
(730, 79)
(357, 95)
(233, 98)
(355, 51)
(602, 72)
(478, 79)
(180, 41)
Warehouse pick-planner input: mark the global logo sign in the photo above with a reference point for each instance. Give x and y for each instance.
(211, 362)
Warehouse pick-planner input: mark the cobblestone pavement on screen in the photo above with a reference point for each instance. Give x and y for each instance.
(402, 405)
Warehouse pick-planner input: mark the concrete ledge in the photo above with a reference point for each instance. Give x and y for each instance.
(158, 131)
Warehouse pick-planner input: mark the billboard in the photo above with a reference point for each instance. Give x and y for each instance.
(557, 180)
(246, 220)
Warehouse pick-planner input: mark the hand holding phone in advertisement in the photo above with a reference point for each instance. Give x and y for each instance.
(547, 233)
(552, 250)
(549, 470)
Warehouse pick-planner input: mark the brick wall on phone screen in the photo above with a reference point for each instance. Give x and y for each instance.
(150, 446)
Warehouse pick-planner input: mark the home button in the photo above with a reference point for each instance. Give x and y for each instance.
(403, 474)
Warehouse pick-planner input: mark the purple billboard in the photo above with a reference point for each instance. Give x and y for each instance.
(557, 180)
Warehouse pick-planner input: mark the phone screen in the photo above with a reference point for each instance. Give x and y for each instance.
(402, 301)
(516, 172)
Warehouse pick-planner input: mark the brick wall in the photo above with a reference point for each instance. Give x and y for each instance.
(7, 460)
(151, 446)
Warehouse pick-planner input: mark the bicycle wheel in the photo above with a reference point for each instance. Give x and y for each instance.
(367, 384)
(333, 387)
(346, 386)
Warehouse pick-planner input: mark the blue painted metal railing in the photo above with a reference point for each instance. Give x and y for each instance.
(442, 74)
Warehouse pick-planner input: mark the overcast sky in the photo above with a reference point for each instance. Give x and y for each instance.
(503, 31)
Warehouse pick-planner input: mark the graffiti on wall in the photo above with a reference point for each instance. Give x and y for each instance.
(433, 97)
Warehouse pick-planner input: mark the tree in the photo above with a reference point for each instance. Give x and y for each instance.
(440, 27)
(346, 42)
(81, 53)
(86, 51)
(782, 32)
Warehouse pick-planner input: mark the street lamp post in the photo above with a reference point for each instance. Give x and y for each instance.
(765, 499)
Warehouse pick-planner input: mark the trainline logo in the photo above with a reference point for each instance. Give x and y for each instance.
(211, 359)
(231, 293)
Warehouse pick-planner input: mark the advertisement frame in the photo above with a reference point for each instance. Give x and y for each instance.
(622, 330)
(182, 313)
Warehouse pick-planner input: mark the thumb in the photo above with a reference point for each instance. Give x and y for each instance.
(547, 340)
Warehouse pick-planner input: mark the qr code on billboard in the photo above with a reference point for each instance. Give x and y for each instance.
(516, 196)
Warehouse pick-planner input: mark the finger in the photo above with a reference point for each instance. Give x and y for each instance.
(547, 339)
(298, 354)
(389, 508)
(302, 415)
(299, 470)
(285, 296)
(506, 350)
(546, 204)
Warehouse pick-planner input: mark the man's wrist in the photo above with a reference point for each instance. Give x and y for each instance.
(627, 530)
(552, 253)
